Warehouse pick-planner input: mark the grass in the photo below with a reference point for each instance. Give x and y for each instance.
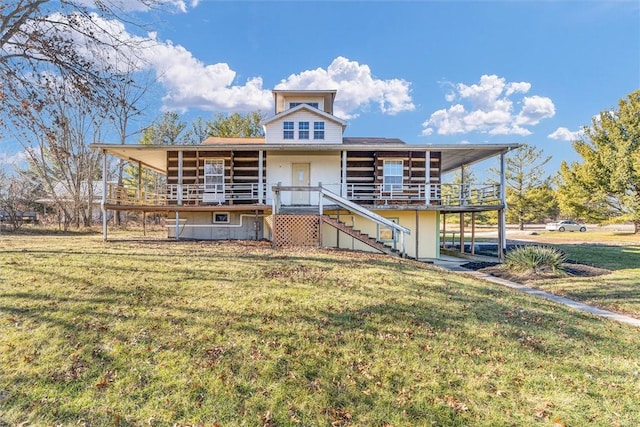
(166, 333)
(618, 291)
(615, 251)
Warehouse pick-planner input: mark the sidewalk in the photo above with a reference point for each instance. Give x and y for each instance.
(454, 264)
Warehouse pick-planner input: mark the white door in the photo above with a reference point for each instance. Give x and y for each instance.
(300, 178)
(213, 181)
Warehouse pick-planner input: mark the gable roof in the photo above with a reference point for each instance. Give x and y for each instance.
(309, 108)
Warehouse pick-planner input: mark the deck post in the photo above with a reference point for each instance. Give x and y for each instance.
(427, 177)
(502, 228)
(343, 186)
(139, 181)
(179, 195)
(104, 195)
(473, 233)
(260, 177)
(461, 232)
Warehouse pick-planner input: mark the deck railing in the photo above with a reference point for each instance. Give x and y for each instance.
(366, 194)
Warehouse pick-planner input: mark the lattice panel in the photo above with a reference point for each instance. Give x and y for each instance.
(296, 230)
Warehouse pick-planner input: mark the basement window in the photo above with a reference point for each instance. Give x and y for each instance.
(220, 217)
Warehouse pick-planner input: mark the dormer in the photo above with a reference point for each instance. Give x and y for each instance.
(304, 117)
(319, 99)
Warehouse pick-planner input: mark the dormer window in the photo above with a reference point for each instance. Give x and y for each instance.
(318, 130)
(303, 130)
(288, 130)
(311, 104)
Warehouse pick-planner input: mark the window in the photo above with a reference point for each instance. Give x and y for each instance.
(311, 104)
(303, 130)
(214, 176)
(318, 130)
(288, 130)
(221, 217)
(392, 175)
(386, 234)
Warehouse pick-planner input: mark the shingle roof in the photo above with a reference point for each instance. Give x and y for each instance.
(371, 140)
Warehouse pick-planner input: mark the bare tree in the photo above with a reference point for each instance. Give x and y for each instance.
(75, 40)
(59, 159)
(17, 197)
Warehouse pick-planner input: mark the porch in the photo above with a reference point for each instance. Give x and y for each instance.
(436, 196)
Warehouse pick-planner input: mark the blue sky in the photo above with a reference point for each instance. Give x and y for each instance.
(423, 71)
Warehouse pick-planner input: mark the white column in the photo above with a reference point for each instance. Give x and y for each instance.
(343, 187)
(260, 177)
(179, 177)
(502, 232)
(179, 194)
(427, 177)
(104, 195)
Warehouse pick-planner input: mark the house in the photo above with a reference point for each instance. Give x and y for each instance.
(305, 183)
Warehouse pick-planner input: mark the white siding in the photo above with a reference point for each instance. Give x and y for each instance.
(325, 169)
(332, 130)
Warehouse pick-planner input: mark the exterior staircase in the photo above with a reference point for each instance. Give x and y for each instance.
(360, 236)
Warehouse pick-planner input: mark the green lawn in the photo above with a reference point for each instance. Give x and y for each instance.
(615, 251)
(165, 333)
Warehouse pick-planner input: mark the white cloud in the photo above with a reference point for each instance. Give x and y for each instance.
(564, 134)
(12, 159)
(534, 109)
(488, 107)
(190, 83)
(357, 88)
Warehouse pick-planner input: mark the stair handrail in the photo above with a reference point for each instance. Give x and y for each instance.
(354, 207)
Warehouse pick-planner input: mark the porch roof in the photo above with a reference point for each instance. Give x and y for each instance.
(453, 155)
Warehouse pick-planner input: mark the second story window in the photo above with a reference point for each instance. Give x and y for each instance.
(288, 130)
(318, 130)
(303, 130)
(392, 175)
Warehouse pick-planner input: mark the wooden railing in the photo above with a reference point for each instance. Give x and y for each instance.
(367, 194)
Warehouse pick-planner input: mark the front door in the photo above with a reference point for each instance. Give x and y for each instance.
(300, 178)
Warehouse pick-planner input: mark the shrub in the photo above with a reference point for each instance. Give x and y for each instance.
(535, 258)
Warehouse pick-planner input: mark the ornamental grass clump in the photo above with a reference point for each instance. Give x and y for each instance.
(537, 259)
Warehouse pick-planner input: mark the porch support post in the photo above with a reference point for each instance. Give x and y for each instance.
(260, 177)
(139, 181)
(502, 228)
(463, 197)
(427, 177)
(473, 233)
(180, 177)
(179, 201)
(343, 187)
(462, 232)
(104, 195)
(444, 230)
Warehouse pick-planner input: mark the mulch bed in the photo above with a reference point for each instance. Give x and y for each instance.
(572, 268)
